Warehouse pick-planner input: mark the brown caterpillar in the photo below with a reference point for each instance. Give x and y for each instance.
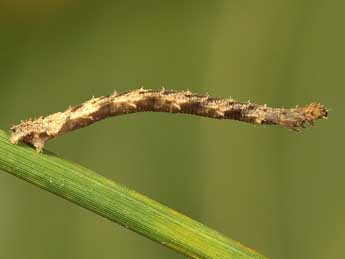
(37, 132)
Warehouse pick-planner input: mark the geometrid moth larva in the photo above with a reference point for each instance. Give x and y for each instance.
(37, 132)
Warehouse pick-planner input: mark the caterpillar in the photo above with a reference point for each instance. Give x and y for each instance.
(38, 131)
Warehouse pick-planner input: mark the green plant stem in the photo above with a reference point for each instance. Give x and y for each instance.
(118, 203)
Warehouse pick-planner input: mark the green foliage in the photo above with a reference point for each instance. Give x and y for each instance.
(117, 203)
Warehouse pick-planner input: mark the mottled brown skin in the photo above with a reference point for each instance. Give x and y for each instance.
(38, 132)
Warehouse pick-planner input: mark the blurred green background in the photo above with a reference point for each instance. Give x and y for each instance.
(275, 190)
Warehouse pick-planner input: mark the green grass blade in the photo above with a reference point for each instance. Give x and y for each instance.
(118, 203)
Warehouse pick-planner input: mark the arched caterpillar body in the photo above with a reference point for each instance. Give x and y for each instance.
(37, 132)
